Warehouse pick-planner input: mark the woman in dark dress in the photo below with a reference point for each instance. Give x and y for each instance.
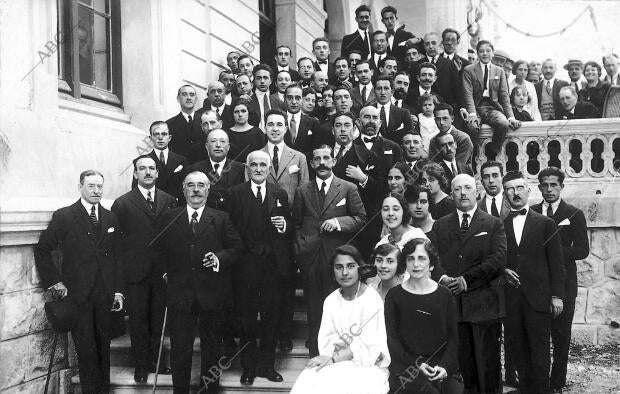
(518, 99)
(434, 178)
(244, 138)
(596, 91)
(421, 325)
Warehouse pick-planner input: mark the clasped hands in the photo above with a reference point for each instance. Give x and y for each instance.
(433, 373)
(278, 222)
(59, 290)
(455, 285)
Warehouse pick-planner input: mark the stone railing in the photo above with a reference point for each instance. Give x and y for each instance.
(589, 153)
(584, 148)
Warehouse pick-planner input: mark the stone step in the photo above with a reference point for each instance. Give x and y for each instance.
(121, 381)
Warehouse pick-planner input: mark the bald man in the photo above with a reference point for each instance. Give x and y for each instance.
(216, 102)
(472, 251)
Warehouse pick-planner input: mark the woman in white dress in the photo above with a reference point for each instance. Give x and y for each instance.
(520, 70)
(353, 355)
(396, 219)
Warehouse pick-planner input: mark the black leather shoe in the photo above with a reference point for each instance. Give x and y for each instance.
(248, 376)
(269, 374)
(162, 370)
(140, 375)
(286, 345)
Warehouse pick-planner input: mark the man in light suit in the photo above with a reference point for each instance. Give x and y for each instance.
(170, 165)
(91, 275)
(395, 122)
(289, 170)
(573, 231)
(487, 98)
(534, 295)
(260, 213)
(196, 247)
(548, 91)
(472, 251)
(358, 40)
(185, 128)
(328, 212)
(137, 212)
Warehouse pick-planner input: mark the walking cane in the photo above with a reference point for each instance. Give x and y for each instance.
(161, 345)
(49, 369)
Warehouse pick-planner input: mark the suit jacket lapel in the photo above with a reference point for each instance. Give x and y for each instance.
(159, 202)
(480, 75)
(391, 122)
(332, 193)
(205, 219)
(527, 229)
(474, 225)
(138, 200)
(285, 158)
(82, 216)
(104, 223)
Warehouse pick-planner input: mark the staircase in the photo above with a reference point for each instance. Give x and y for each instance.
(289, 365)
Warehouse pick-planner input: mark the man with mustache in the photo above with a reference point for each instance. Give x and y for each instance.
(185, 128)
(535, 291)
(472, 251)
(426, 77)
(328, 212)
(196, 247)
(401, 89)
(216, 101)
(548, 91)
(137, 212)
(90, 278)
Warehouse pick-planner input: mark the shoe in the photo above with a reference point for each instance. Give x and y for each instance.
(512, 379)
(140, 375)
(286, 345)
(162, 370)
(269, 374)
(248, 376)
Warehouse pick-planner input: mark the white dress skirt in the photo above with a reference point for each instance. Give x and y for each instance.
(360, 324)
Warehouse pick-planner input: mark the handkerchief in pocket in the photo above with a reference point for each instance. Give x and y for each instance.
(293, 169)
(564, 222)
(179, 168)
(111, 230)
(341, 202)
(481, 234)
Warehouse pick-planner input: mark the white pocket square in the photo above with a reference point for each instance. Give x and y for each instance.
(369, 167)
(111, 230)
(341, 202)
(179, 168)
(402, 44)
(293, 169)
(496, 77)
(278, 203)
(402, 126)
(564, 222)
(387, 152)
(481, 234)
(309, 132)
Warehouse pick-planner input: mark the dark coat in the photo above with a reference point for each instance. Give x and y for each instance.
(170, 177)
(183, 134)
(307, 133)
(354, 41)
(233, 174)
(399, 124)
(582, 111)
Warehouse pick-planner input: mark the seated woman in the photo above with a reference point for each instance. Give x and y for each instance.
(518, 100)
(352, 339)
(244, 138)
(399, 178)
(389, 271)
(434, 178)
(421, 323)
(521, 70)
(596, 91)
(396, 219)
(420, 203)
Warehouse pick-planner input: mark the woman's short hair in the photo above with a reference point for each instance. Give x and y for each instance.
(386, 250)
(595, 65)
(408, 174)
(517, 64)
(241, 101)
(364, 270)
(409, 248)
(514, 91)
(403, 203)
(412, 195)
(433, 169)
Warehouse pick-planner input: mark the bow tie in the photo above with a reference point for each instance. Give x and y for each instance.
(390, 32)
(370, 140)
(321, 61)
(513, 214)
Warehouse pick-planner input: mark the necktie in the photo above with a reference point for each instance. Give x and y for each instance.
(217, 111)
(549, 211)
(486, 77)
(364, 94)
(189, 119)
(216, 167)
(149, 200)
(576, 86)
(465, 223)
(293, 129)
(411, 164)
(93, 216)
(433, 60)
(494, 211)
(383, 120)
(323, 187)
(194, 222)
(259, 195)
(340, 152)
(513, 214)
(453, 169)
(162, 158)
(366, 41)
(548, 87)
(265, 105)
(370, 140)
(275, 161)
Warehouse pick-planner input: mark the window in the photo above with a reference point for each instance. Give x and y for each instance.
(89, 56)
(267, 30)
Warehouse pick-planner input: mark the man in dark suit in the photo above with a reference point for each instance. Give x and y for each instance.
(227, 78)
(185, 126)
(573, 231)
(137, 212)
(170, 165)
(320, 48)
(196, 247)
(413, 148)
(342, 73)
(260, 212)
(446, 157)
(487, 98)
(302, 129)
(262, 101)
(328, 212)
(283, 60)
(444, 116)
(379, 49)
(358, 40)
(395, 122)
(472, 251)
(397, 36)
(450, 39)
(306, 68)
(216, 102)
(493, 202)
(363, 94)
(571, 109)
(426, 77)
(283, 80)
(222, 172)
(548, 91)
(90, 276)
(209, 120)
(401, 89)
(535, 274)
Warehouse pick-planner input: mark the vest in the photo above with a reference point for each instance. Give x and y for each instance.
(547, 109)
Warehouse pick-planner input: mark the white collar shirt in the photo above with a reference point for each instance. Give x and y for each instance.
(518, 222)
